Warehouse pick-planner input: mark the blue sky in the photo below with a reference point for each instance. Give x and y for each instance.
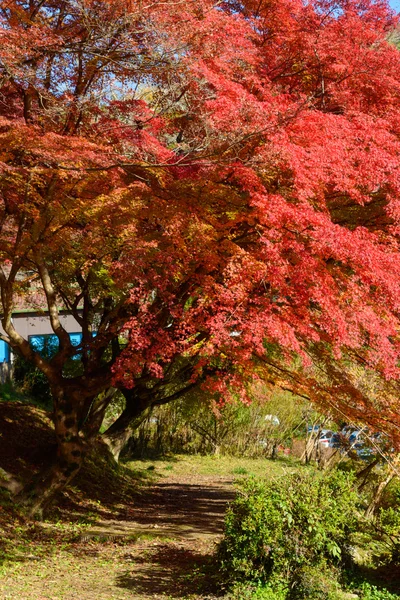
(395, 4)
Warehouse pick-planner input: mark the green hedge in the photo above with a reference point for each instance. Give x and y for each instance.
(290, 531)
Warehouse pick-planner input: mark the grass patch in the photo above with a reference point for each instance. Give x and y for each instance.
(9, 393)
(240, 471)
(220, 466)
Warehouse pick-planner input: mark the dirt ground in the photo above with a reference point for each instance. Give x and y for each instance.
(160, 547)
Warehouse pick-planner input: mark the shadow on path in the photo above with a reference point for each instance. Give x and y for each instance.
(198, 507)
(169, 510)
(173, 572)
(192, 516)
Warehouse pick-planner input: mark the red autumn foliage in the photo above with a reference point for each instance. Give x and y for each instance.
(212, 183)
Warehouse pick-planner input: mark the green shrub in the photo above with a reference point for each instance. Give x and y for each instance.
(316, 583)
(277, 531)
(250, 592)
(371, 592)
(388, 523)
(32, 382)
(196, 424)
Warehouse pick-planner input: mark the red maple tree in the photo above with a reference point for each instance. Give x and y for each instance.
(213, 189)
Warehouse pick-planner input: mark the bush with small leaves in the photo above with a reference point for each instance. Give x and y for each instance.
(370, 592)
(277, 531)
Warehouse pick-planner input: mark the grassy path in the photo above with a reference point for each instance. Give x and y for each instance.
(158, 545)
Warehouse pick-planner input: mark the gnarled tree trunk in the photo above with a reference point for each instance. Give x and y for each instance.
(72, 447)
(119, 433)
(138, 400)
(40, 492)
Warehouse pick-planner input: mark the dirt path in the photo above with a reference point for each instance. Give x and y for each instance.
(180, 510)
(158, 548)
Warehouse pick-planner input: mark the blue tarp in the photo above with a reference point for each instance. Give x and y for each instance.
(4, 352)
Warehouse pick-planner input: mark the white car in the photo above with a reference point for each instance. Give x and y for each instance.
(325, 437)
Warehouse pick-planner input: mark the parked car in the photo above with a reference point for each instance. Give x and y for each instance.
(325, 437)
(363, 443)
(355, 436)
(313, 428)
(336, 440)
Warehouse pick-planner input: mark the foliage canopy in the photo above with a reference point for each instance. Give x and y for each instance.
(212, 188)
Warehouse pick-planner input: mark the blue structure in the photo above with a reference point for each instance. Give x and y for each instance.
(40, 343)
(4, 352)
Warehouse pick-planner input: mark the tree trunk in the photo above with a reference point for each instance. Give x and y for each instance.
(138, 400)
(310, 449)
(95, 417)
(365, 472)
(40, 492)
(217, 449)
(369, 513)
(119, 433)
(392, 472)
(72, 448)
